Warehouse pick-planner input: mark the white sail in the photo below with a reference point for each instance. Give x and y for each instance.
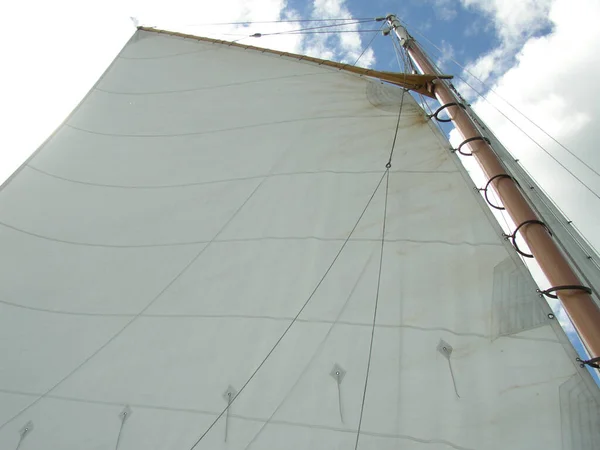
(195, 260)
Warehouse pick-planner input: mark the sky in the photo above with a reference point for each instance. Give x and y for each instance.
(539, 55)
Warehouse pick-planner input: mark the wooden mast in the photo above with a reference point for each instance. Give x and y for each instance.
(578, 304)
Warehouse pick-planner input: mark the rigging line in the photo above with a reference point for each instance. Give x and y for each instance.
(313, 28)
(401, 65)
(317, 352)
(252, 22)
(369, 44)
(140, 313)
(304, 32)
(389, 163)
(519, 128)
(293, 321)
(332, 31)
(364, 396)
(508, 103)
(120, 433)
(532, 139)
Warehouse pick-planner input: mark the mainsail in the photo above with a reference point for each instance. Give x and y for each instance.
(228, 249)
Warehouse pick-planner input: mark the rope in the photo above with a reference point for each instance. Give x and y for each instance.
(300, 33)
(120, 431)
(362, 406)
(369, 44)
(389, 163)
(313, 28)
(279, 21)
(387, 185)
(297, 315)
(315, 354)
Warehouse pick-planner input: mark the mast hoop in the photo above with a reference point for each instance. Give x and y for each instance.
(466, 141)
(513, 236)
(485, 189)
(594, 362)
(441, 108)
(575, 287)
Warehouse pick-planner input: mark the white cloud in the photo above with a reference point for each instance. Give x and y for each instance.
(552, 79)
(54, 52)
(514, 19)
(445, 9)
(348, 46)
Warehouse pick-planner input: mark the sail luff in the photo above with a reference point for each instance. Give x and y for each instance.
(578, 304)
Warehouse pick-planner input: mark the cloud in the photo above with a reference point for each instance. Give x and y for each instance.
(53, 57)
(514, 19)
(551, 79)
(346, 47)
(445, 9)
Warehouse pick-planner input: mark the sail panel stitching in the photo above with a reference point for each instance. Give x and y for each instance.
(139, 314)
(227, 180)
(249, 239)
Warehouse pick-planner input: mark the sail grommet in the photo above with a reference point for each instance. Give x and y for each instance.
(24, 431)
(388, 165)
(466, 141)
(485, 189)
(513, 236)
(229, 395)
(549, 292)
(338, 373)
(551, 316)
(594, 362)
(441, 108)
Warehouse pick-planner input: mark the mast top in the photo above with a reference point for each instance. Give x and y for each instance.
(401, 32)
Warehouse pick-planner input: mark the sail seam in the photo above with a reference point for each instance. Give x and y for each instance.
(249, 239)
(253, 177)
(223, 130)
(275, 318)
(217, 86)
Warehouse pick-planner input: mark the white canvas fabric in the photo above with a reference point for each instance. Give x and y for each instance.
(205, 230)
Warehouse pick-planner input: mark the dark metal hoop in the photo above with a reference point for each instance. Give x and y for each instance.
(485, 189)
(513, 236)
(549, 292)
(466, 141)
(594, 362)
(441, 108)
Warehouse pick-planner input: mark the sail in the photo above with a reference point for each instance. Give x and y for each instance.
(228, 249)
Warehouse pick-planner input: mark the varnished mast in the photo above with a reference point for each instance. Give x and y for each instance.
(575, 297)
